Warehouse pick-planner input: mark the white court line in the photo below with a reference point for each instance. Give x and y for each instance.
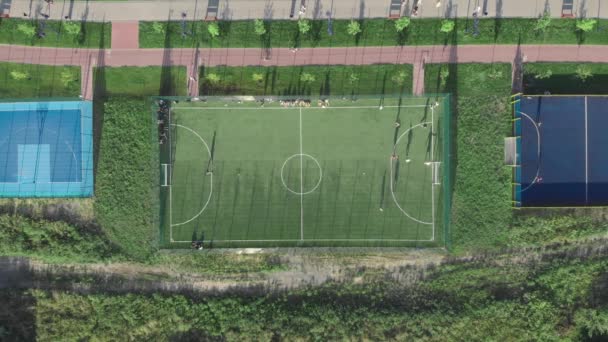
(432, 171)
(210, 177)
(391, 166)
(287, 108)
(301, 182)
(320, 240)
(586, 156)
(537, 150)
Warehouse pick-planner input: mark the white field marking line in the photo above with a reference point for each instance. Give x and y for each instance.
(313, 240)
(301, 182)
(170, 185)
(288, 108)
(211, 176)
(392, 176)
(537, 152)
(316, 185)
(586, 156)
(432, 171)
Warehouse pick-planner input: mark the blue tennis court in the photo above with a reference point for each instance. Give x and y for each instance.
(561, 151)
(46, 149)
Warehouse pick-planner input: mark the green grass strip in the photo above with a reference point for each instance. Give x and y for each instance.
(374, 32)
(56, 33)
(33, 80)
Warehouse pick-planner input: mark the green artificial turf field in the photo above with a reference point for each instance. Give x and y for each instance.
(242, 174)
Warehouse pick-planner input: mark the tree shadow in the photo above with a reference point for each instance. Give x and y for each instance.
(498, 20)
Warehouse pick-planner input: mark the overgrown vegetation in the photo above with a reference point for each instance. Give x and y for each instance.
(559, 298)
(55, 33)
(374, 32)
(126, 177)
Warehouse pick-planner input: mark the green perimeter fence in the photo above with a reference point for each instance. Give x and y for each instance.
(162, 116)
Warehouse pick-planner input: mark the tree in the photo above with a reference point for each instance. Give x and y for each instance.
(402, 23)
(258, 27)
(303, 26)
(307, 77)
(353, 78)
(583, 72)
(27, 29)
(71, 28)
(353, 28)
(586, 24)
(213, 78)
(543, 22)
(257, 77)
(447, 26)
(214, 30)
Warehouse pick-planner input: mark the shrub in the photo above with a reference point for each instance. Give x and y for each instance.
(353, 78)
(67, 78)
(586, 24)
(354, 28)
(402, 23)
(495, 74)
(257, 77)
(213, 78)
(447, 26)
(399, 78)
(18, 75)
(214, 30)
(158, 27)
(304, 26)
(26, 29)
(307, 78)
(71, 28)
(583, 72)
(541, 75)
(444, 73)
(258, 27)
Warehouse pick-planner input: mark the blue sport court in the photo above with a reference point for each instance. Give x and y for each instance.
(46, 149)
(562, 157)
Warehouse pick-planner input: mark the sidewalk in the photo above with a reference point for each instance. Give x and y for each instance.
(282, 9)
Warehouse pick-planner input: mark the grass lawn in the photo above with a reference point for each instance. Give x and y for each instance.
(33, 81)
(336, 80)
(316, 176)
(565, 78)
(374, 32)
(57, 33)
(140, 81)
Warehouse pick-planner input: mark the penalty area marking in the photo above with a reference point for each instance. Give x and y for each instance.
(211, 177)
(537, 150)
(392, 178)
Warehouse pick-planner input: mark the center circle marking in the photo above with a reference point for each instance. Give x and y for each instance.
(309, 157)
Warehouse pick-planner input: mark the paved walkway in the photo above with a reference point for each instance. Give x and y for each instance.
(284, 9)
(193, 58)
(125, 35)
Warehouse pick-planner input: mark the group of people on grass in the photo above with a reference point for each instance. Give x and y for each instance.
(162, 121)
